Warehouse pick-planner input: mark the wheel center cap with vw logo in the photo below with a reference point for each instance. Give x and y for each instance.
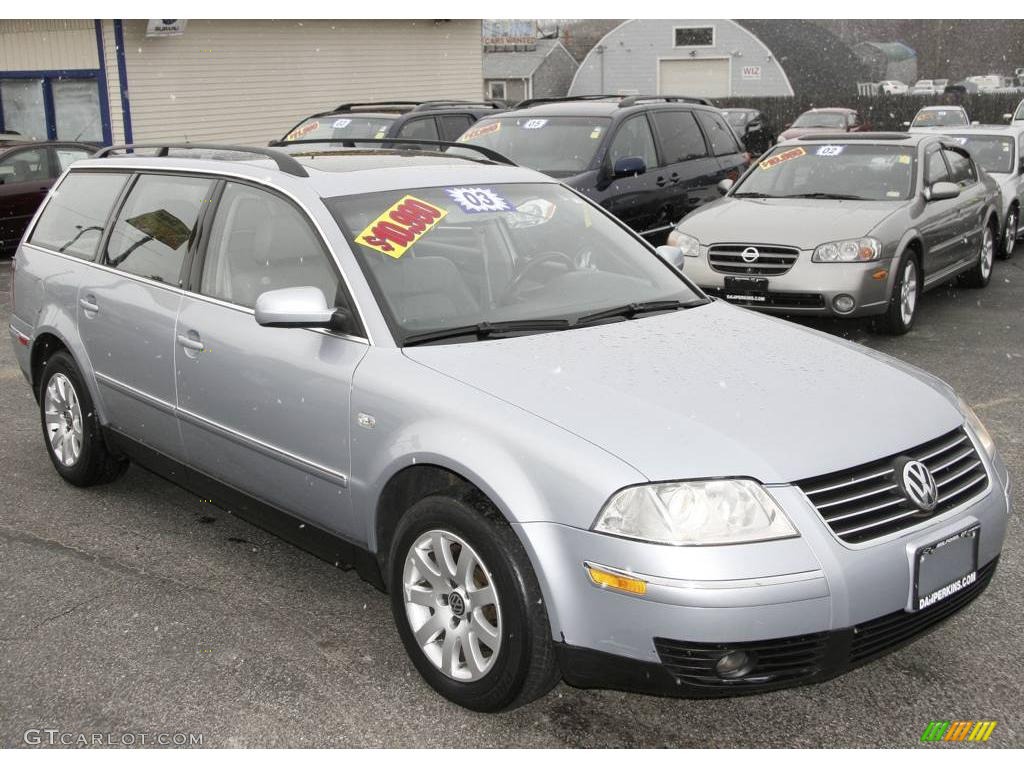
(750, 255)
(917, 484)
(456, 603)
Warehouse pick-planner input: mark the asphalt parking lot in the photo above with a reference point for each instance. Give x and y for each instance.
(138, 608)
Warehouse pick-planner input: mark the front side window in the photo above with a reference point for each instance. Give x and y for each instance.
(445, 257)
(935, 169)
(557, 146)
(75, 216)
(633, 139)
(1019, 114)
(719, 135)
(423, 128)
(26, 165)
(960, 169)
(833, 171)
(68, 155)
(453, 126)
(260, 242)
(153, 230)
(679, 136)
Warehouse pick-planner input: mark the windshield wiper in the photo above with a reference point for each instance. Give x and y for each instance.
(827, 196)
(750, 194)
(486, 330)
(629, 311)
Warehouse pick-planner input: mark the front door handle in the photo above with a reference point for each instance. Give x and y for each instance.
(88, 303)
(661, 181)
(191, 342)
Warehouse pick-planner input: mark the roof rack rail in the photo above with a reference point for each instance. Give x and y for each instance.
(490, 103)
(629, 101)
(556, 99)
(414, 144)
(348, 105)
(285, 162)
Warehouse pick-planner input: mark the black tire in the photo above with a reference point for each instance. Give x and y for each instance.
(978, 276)
(894, 322)
(94, 464)
(526, 666)
(1008, 242)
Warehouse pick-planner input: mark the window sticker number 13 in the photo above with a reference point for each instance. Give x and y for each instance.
(400, 226)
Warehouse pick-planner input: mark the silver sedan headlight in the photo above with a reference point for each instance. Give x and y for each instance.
(688, 244)
(697, 512)
(978, 428)
(846, 251)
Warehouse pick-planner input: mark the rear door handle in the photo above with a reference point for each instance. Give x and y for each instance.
(190, 343)
(88, 303)
(661, 181)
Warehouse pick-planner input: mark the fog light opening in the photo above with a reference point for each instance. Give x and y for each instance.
(734, 665)
(843, 303)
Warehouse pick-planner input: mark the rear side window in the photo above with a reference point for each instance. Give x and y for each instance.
(155, 225)
(74, 218)
(680, 138)
(961, 170)
(719, 136)
(259, 243)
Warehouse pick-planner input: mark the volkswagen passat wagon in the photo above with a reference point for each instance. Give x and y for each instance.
(559, 456)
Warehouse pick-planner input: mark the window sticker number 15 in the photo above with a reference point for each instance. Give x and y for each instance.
(394, 231)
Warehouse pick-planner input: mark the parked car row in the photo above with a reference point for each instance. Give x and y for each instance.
(559, 455)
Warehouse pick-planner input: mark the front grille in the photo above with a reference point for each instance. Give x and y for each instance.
(771, 260)
(866, 502)
(777, 300)
(775, 661)
(875, 637)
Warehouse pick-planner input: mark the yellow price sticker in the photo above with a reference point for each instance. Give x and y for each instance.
(400, 226)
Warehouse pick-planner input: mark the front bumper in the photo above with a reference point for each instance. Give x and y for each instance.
(808, 288)
(823, 604)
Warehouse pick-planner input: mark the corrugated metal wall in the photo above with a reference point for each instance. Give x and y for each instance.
(47, 44)
(249, 81)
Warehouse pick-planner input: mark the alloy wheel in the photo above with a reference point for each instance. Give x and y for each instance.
(1011, 233)
(63, 419)
(908, 292)
(452, 605)
(987, 252)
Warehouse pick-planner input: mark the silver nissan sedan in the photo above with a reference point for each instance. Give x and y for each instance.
(560, 457)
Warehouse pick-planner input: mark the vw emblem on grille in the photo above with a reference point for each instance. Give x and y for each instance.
(917, 484)
(750, 255)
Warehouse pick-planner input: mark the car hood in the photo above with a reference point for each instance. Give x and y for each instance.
(708, 392)
(801, 223)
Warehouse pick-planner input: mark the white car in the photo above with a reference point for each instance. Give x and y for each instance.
(938, 116)
(1017, 118)
(925, 88)
(893, 87)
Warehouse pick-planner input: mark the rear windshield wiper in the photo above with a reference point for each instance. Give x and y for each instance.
(629, 311)
(827, 196)
(485, 330)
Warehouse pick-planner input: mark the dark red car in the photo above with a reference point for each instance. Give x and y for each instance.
(826, 120)
(27, 169)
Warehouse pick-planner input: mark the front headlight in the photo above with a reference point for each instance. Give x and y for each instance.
(978, 428)
(698, 512)
(689, 245)
(846, 251)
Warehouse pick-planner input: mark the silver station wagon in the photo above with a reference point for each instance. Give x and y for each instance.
(560, 458)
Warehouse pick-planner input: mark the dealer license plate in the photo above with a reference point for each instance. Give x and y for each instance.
(946, 567)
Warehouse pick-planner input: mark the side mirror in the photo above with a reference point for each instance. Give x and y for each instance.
(628, 166)
(725, 185)
(1007, 117)
(301, 307)
(941, 190)
(906, 123)
(672, 254)
(753, 128)
(788, 126)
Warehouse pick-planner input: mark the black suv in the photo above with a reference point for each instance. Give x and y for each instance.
(649, 160)
(427, 120)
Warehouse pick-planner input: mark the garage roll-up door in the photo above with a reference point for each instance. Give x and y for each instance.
(694, 77)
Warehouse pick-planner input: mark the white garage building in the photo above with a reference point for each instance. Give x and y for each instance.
(713, 58)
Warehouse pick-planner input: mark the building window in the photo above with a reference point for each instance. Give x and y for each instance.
(496, 89)
(53, 106)
(694, 37)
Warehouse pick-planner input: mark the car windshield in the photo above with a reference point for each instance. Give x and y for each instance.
(557, 146)
(930, 117)
(736, 117)
(444, 258)
(347, 126)
(838, 171)
(820, 120)
(993, 153)
(1019, 114)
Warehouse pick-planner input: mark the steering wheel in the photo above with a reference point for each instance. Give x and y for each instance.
(540, 258)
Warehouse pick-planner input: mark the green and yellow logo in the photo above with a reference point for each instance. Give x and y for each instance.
(958, 730)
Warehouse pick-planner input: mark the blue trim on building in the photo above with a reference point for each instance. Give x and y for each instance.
(122, 79)
(101, 81)
(48, 111)
(59, 74)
